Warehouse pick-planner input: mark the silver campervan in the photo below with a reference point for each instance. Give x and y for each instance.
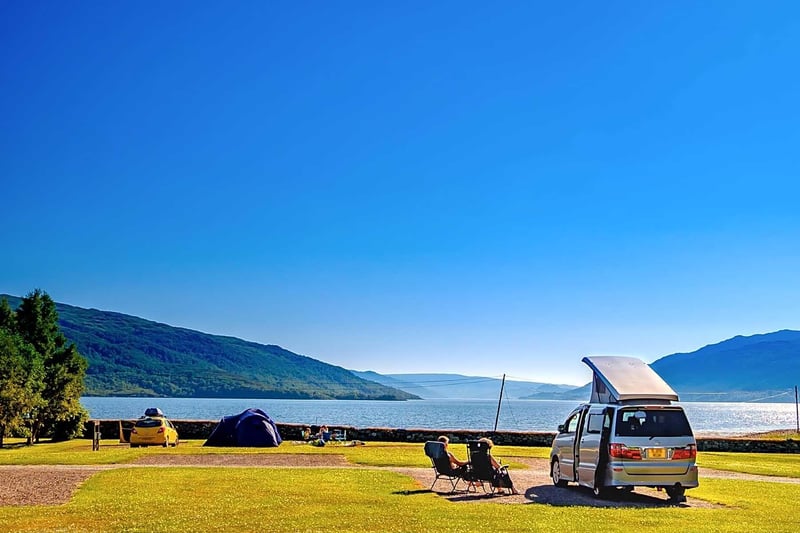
(629, 434)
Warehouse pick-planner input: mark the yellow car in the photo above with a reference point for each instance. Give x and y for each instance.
(154, 431)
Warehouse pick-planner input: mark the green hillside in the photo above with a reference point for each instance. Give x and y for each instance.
(130, 356)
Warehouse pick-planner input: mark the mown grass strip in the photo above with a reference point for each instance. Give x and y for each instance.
(766, 464)
(366, 500)
(111, 452)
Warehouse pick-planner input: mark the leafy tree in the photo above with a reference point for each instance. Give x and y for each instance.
(21, 382)
(60, 414)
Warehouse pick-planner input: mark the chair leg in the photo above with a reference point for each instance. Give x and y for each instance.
(453, 482)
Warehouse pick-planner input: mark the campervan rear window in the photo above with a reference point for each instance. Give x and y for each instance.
(638, 422)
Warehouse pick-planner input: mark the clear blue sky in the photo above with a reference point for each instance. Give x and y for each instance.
(414, 186)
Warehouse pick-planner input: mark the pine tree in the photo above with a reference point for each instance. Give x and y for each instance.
(60, 414)
(63, 416)
(7, 320)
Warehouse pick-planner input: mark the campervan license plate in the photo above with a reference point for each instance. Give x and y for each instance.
(656, 453)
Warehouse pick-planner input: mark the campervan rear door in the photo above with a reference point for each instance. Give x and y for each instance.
(588, 456)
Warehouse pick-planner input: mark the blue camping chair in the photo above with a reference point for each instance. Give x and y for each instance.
(441, 465)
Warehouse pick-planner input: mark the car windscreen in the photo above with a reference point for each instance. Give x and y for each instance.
(148, 423)
(642, 422)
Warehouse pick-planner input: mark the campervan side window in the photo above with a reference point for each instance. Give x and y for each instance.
(595, 423)
(572, 423)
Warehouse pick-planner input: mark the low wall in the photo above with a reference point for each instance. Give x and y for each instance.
(201, 429)
(748, 445)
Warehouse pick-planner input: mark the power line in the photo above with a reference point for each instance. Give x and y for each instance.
(468, 379)
(768, 397)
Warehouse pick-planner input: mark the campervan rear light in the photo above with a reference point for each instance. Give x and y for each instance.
(133, 430)
(620, 451)
(689, 452)
(160, 430)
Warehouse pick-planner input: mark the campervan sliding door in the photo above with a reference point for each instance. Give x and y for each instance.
(566, 443)
(588, 456)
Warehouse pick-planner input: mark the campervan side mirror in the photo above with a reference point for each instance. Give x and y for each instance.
(561, 428)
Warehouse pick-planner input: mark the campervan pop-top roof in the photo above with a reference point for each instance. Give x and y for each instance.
(622, 379)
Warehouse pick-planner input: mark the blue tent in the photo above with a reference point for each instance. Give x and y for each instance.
(252, 427)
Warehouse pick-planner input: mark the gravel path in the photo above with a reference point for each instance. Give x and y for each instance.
(42, 485)
(535, 486)
(294, 460)
(54, 485)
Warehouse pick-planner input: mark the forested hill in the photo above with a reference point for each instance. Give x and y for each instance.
(130, 356)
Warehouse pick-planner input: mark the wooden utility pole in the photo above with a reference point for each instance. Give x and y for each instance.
(796, 409)
(499, 401)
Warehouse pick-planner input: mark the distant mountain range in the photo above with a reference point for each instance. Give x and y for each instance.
(457, 386)
(130, 356)
(739, 369)
(762, 367)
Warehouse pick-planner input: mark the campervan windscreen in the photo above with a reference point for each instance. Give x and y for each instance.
(643, 422)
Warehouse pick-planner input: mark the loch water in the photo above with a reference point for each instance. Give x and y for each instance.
(515, 415)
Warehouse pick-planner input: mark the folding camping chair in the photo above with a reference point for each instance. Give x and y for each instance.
(481, 469)
(441, 465)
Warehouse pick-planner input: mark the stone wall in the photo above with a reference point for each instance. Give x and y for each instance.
(748, 445)
(201, 429)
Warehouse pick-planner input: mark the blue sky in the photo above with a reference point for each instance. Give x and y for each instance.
(425, 187)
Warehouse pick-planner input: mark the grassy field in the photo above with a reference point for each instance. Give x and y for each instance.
(78, 452)
(767, 464)
(366, 499)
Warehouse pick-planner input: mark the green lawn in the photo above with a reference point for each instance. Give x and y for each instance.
(373, 454)
(368, 499)
(768, 464)
(256, 499)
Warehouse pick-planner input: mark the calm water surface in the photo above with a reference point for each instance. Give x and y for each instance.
(515, 415)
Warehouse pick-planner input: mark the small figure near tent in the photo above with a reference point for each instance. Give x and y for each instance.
(324, 434)
(322, 437)
(252, 427)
